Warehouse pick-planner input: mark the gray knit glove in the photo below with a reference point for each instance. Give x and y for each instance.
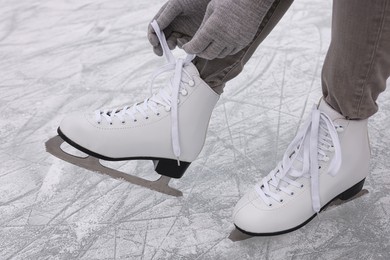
(179, 20)
(228, 27)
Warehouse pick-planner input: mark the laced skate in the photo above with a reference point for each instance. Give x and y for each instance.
(168, 128)
(327, 159)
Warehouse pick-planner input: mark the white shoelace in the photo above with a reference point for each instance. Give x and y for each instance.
(316, 137)
(167, 97)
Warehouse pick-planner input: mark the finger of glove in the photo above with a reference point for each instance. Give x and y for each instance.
(172, 40)
(152, 37)
(170, 12)
(201, 39)
(158, 50)
(198, 43)
(209, 11)
(171, 44)
(212, 51)
(164, 18)
(157, 46)
(183, 40)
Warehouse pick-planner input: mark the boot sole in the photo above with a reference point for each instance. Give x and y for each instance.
(346, 195)
(163, 166)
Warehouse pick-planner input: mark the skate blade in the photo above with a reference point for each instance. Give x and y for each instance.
(53, 146)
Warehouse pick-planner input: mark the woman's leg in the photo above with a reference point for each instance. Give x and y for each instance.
(358, 61)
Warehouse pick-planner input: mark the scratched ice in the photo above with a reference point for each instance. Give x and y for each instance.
(66, 55)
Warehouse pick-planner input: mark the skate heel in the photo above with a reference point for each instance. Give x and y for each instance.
(346, 195)
(169, 167)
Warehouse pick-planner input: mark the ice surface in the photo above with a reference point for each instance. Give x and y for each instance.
(66, 55)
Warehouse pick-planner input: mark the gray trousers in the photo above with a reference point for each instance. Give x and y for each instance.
(357, 64)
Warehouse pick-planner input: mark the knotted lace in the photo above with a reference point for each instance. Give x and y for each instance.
(167, 97)
(301, 159)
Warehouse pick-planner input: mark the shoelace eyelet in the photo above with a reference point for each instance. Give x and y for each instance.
(339, 129)
(135, 120)
(184, 92)
(191, 83)
(281, 200)
(123, 122)
(270, 205)
(147, 118)
(110, 123)
(292, 194)
(301, 186)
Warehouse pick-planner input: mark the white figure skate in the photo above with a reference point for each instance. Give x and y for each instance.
(328, 159)
(168, 128)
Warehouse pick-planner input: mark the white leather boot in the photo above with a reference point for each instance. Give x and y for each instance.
(328, 159)
(169, 127)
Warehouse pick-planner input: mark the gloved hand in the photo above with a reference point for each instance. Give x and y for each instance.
(228, 27)
(179, 20)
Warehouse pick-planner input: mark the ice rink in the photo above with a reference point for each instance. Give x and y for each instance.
(62, 56)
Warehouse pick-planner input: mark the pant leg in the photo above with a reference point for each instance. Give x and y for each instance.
(219, 71)
(357, 64)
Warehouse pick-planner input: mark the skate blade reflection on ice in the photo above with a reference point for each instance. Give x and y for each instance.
(53, 146)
